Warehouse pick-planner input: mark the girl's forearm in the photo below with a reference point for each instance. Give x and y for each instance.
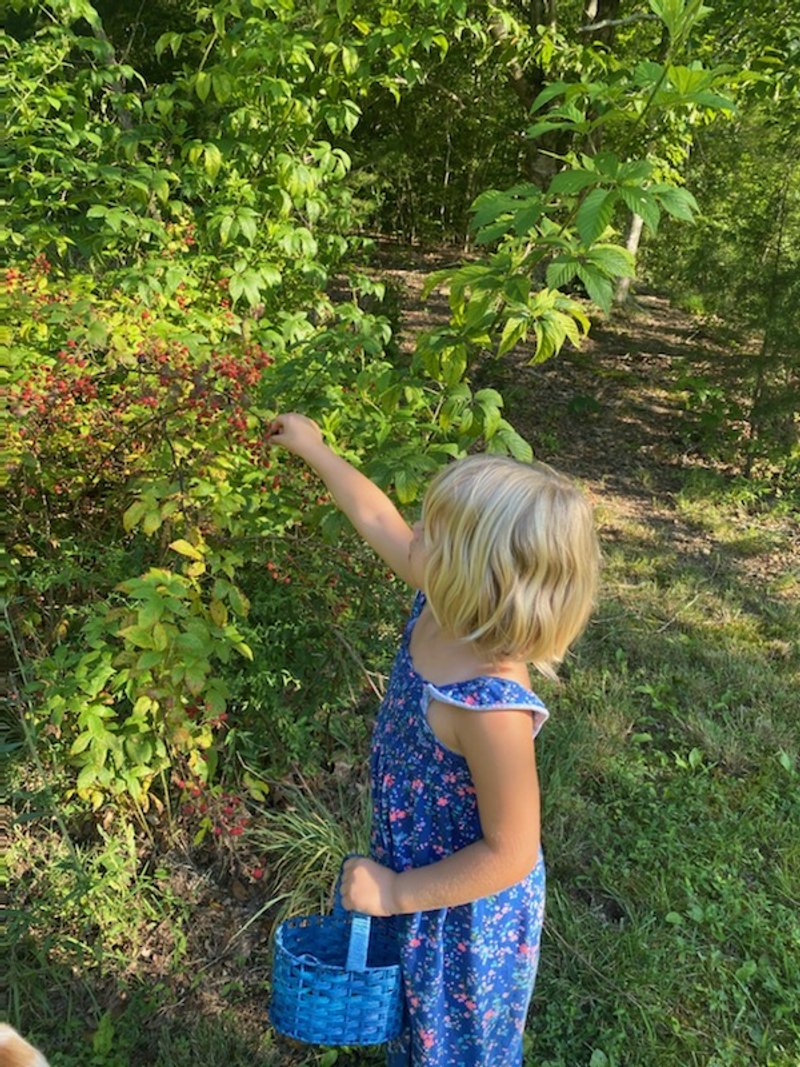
(359, 498)
(469, 874)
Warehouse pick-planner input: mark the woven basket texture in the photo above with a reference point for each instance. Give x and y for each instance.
(316, 999)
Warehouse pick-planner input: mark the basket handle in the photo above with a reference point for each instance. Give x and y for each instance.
(359, 925)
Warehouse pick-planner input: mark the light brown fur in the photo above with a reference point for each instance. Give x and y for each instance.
(16, 1052)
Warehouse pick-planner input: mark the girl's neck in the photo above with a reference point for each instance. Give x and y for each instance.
(440, 657)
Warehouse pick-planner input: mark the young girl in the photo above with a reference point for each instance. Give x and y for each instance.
(505, 559)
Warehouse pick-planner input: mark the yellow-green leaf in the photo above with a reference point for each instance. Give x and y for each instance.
(185, 549)
(256, 788)
(142, 706)
(152, 521)
(238, 601)
(219, 613)
(133, 514)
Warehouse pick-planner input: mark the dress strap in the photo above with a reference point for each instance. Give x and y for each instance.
(418, 605)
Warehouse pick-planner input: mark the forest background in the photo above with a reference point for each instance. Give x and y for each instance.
(203, 207)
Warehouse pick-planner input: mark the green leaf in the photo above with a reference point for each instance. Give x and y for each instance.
(195, 675)
(164, 41)
(149, 659)
(150, 612)
(407, 484)
(160, 638)
(677, 202)
(493, 231)
(97, 334)
(599, 288)
(548, 93)
(238, 601)
(137, 635)
(526, 219)
(236, 287)
(560, 271)
(133, 514)
(202, 85)
(508, 442)
(212, 160)
(222, 84)
(613, 260)
(251, 283)
(142, 706)
(786, 761)
(247, 223)
(572, 181)
(642, 202)
(80, 743)
(595, 214)
(515, 330)
(87, 776)
(195, 646)
(349, 60)
(225, 228)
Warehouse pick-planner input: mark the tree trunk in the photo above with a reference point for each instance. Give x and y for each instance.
(621, 295)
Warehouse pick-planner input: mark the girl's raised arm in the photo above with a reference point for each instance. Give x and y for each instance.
(368, 508)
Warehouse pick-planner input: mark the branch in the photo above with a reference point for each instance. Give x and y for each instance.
(617, 22)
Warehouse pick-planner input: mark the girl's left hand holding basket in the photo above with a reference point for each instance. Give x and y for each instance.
(368, 887)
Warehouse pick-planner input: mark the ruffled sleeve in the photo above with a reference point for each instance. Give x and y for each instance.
(487, 694)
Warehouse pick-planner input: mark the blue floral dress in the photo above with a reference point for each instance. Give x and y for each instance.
(468, 971)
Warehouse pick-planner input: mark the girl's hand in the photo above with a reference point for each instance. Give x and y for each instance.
(297, 433)
(368, 887)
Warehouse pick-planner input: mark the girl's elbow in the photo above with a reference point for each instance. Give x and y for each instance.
(528, 859)
(518, 861)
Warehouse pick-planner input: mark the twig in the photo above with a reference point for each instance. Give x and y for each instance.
(359, 662)
(683, 607)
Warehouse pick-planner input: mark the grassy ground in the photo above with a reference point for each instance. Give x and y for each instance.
(669, 773)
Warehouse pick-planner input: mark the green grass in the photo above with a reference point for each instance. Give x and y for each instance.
(671, 812)
(671, 829)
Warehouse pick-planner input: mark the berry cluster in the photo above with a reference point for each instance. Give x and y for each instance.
(194, 712)
(226, 813)
(93, 406)
(275, 573)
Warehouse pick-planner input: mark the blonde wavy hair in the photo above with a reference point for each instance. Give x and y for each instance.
(512, 558)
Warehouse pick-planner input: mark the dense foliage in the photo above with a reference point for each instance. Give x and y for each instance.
(185, 266)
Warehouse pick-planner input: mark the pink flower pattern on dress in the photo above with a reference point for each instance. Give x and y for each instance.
(468, 971)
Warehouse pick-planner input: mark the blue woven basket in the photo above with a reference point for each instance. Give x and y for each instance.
(336, 978)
